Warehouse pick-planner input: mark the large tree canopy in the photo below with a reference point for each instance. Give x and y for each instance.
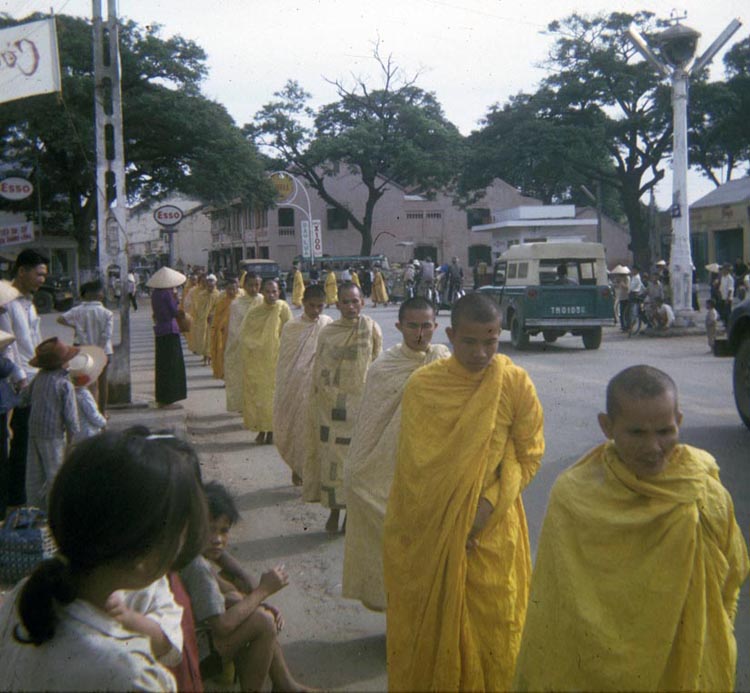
(175, 138)
(394, 133)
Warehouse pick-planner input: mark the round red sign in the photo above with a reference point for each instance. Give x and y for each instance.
(168, 215)
(15, 188)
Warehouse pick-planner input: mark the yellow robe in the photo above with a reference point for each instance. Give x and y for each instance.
(189, 286)
(291, 405)
(219, 329)
(331, 288)
(203, 302)
(455, 616)
(298, 289)
(233, 351)
(636, 580)
(379, 292)
(346, 348)
(260, 336)
(368, 473)
(355, 279)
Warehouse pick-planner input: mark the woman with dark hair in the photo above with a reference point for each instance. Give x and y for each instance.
(169, 365)
(124, 509)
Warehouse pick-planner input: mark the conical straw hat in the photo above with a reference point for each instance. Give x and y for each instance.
(7, 292)
(166, 278)
(620, 269)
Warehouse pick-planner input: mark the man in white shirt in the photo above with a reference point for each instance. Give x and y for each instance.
(21, 319)
(726, 291)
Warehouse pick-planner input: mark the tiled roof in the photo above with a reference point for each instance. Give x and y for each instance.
(727, 194)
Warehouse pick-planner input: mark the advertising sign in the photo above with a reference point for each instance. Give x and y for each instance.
(17, 233)
(29, 62)
(317, 238)
(168, 215)
(306, 248)
(15, 188)
(284, 186)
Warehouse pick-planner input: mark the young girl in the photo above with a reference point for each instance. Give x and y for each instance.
(123, 509)
(712, 319)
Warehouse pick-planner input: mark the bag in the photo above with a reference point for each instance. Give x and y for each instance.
(25, 541)
(184, 321)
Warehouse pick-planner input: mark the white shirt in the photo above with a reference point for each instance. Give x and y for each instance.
(24, 324)
(93, 324)
(726, 287)
(636, 284)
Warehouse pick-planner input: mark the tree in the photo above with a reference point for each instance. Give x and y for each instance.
(175, 138)
(396, 133)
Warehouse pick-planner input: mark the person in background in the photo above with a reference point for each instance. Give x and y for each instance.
(726, 292)
(379, 290)
(132, 282)
(712, 321)
(84, 369)
(663, 315)
(220, 327)
(297, 284)
(8, 390)
(331, 286)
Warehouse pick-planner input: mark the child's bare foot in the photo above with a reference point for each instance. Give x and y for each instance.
(296, 479)
(269, 437)
(260, 439)
(332, 526)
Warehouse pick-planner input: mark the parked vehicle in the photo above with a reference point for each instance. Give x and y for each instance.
(737, 344)
(265, 269)
(56, 293)
(553, 288)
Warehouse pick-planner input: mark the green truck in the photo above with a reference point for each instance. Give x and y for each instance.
(552, 289)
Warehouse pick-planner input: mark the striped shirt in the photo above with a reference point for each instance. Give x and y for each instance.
(93, 324)
(54, 410)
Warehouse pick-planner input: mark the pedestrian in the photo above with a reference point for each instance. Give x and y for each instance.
(298, 285)
(122, 511)
(456, 557)
(21, 320)
(233, 375)
(53, 419)
(203, 306)
(93, 325)
(169, 364)
(220, 326)
(132, 290)
(260, 337)
(331, 287)
(455, 281)
(9, 372)
(292, 397)
(640, 559)
(712, 321)
(621, 284)
(663, 315)
(372, 453)
(346, 348)
(84, 369)
(379, 291)
(726, 292)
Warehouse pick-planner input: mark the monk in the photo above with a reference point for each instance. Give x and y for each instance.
(640, 559)
(298, 286)
(379, 292)
(331, 287)
(372, 453)
(260, 337)
(291, 406)
(203, 303)
(456, 556)
(233, 353)
(345, 350)
(220, 327)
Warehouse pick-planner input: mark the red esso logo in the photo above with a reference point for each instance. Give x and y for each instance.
(15, 188)
(168, 215)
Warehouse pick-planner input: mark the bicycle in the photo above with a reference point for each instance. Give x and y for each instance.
(639, 314)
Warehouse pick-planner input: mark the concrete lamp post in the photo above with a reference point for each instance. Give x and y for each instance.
(676, 48)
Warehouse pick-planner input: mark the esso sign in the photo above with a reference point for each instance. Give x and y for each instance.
(15, 188)
(168, 215)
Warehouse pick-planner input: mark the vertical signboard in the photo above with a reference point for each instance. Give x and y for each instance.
(317, 238)
(306, 248)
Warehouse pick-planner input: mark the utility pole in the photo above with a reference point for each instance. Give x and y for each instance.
(110, 186)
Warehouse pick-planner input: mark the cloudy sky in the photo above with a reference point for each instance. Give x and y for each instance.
(471, 53)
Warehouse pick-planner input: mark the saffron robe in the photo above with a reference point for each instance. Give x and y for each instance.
(455, 615)
(355, 279)
(203, 302)
(379, 292)
(298, 289)
(368, 473)
(233, 351)
(218, 335)
(345, 350)
(260, 336)
(636, 580)
(292, 431)
(331, 288)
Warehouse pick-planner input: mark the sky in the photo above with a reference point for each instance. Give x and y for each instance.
(470, 53)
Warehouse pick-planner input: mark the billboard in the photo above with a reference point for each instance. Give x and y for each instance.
(29, 62)
(17, 233)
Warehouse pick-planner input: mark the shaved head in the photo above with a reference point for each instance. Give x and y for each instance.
(475, 307)
(638, 382)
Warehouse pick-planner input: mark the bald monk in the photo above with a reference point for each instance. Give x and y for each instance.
(298, 286)
(331, 287)
(457, 563)
(204, 301)
(220, 327)
(640, 559)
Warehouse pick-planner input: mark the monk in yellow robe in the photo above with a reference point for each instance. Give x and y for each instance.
(379, 292)
(202, 306)
(220, 327)
(291, 406)
(190, 284)
(368, 473)
(640, 559)
(331, 287)
(298, 287)
(260, 337)
(233, 376)
(456, 556)
(345, 350)
(355, 278)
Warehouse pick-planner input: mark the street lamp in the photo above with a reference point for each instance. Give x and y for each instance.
(676, 48)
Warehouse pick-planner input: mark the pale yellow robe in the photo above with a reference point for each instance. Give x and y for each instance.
(298, 289)
(379, 292)
(260, 337)
(636, 580)
(291, 430)
(203, 303)
(455, 615)
(233, 353)
(346, 348)
(370, 466)
(219, 329)
(331, 288)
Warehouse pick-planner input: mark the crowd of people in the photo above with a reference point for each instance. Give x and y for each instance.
(427, 452)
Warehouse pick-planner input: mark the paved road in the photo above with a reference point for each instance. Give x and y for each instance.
(336, 644)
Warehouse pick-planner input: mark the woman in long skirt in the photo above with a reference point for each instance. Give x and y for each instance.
(169, 374)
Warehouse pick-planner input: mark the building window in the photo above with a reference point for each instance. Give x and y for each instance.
(286, 230)
(433, 215)
(336, 219)
(415, 215)
(476, 216)
(286, 216)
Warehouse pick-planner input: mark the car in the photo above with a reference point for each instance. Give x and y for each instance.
(265, 269)
(737, 344)
(553, 288)
(56, 293)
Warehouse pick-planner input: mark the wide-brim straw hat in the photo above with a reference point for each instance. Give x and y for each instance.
(6, 339)
(7, 292)
(52, 353)
(661, 263)
(713, 267)
(166, 278)
(620, 269)
(89, 362)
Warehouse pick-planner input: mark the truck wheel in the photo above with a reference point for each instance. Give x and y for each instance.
(518, 338)
(549, 336)
(742, 380)
(592, 339)
(43, 302)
